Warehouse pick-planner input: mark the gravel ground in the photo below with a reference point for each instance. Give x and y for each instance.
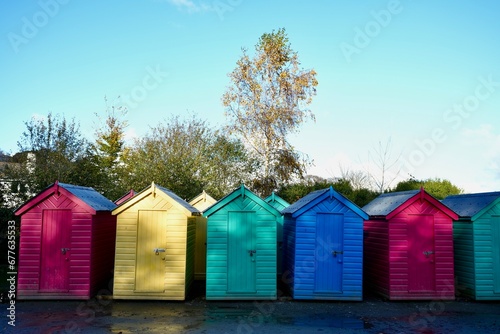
(196, 315)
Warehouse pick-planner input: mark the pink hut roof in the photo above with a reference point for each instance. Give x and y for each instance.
(390, 204)
(85, 196)
(125, 197)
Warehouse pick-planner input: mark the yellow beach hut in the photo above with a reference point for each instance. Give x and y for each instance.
(201, 202)
(155, 241)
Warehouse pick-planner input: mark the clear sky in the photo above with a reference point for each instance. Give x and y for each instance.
(423, 74)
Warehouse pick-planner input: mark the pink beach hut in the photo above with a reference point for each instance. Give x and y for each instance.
(408, 247)
(67, 243)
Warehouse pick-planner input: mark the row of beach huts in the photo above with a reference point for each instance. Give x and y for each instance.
(153, 245)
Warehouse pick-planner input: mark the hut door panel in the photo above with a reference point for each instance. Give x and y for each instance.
(151, 245)
(329, 253)
(421, 266)
(242, 256)
(495, 229)
(56, 233)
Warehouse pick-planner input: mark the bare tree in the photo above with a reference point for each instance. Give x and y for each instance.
(359, 179)
(383, 165)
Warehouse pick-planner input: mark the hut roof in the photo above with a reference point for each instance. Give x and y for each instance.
(390, 204)
(273, 198)
(471, 206)
(162, 191)
(240, 191)
(315, 197)
(84, 195)
(386, 203)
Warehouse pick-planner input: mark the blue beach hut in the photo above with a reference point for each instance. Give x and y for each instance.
(323, 241)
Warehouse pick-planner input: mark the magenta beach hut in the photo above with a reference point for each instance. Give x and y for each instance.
(408, 247)
(67, 243)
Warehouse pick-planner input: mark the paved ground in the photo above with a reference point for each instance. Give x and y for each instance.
(373, 315)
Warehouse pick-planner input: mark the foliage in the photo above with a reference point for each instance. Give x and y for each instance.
(293, 192)
(187, 156)
(438, 188)
(50, 150)
(266, 102)
(106, 156)
(358, 179)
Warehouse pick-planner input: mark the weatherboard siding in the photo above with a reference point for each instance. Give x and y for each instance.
(218, 258)
(302, 243)
(289, 234)
(89, 254)
(388, 247)
(376, 254)
(464, 258)
(486, 242)
(178, 239)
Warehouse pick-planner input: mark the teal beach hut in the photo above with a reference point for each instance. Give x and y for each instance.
(241, 248)
(280, 204)
(276, 201)
(323, 241)
(476, 236)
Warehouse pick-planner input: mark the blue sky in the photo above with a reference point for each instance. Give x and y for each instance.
(423, 74)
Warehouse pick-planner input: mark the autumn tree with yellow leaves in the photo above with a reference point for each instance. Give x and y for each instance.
(267, 100)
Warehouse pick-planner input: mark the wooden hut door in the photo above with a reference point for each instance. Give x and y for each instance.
(421, 266)
(151, 246)
(495, 229)
(55, 252)
(242, 253)
(329, 255)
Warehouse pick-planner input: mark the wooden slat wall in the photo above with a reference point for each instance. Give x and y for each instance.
(289, 276)
(305, 246)
(390, 276)
(464, 258)
(376, 256)
(177, 251)
(201, 249)
(103, 251)
(30, 250)
(486, 265)
(217, 257)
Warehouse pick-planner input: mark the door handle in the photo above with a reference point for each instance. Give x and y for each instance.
(64, 250)
(252, 252)
(158, 250)
(427, 253)
(335, 252)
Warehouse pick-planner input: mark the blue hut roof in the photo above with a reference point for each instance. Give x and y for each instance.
(472, 205)
(315, 197)
(90, 196)
(386, 203)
